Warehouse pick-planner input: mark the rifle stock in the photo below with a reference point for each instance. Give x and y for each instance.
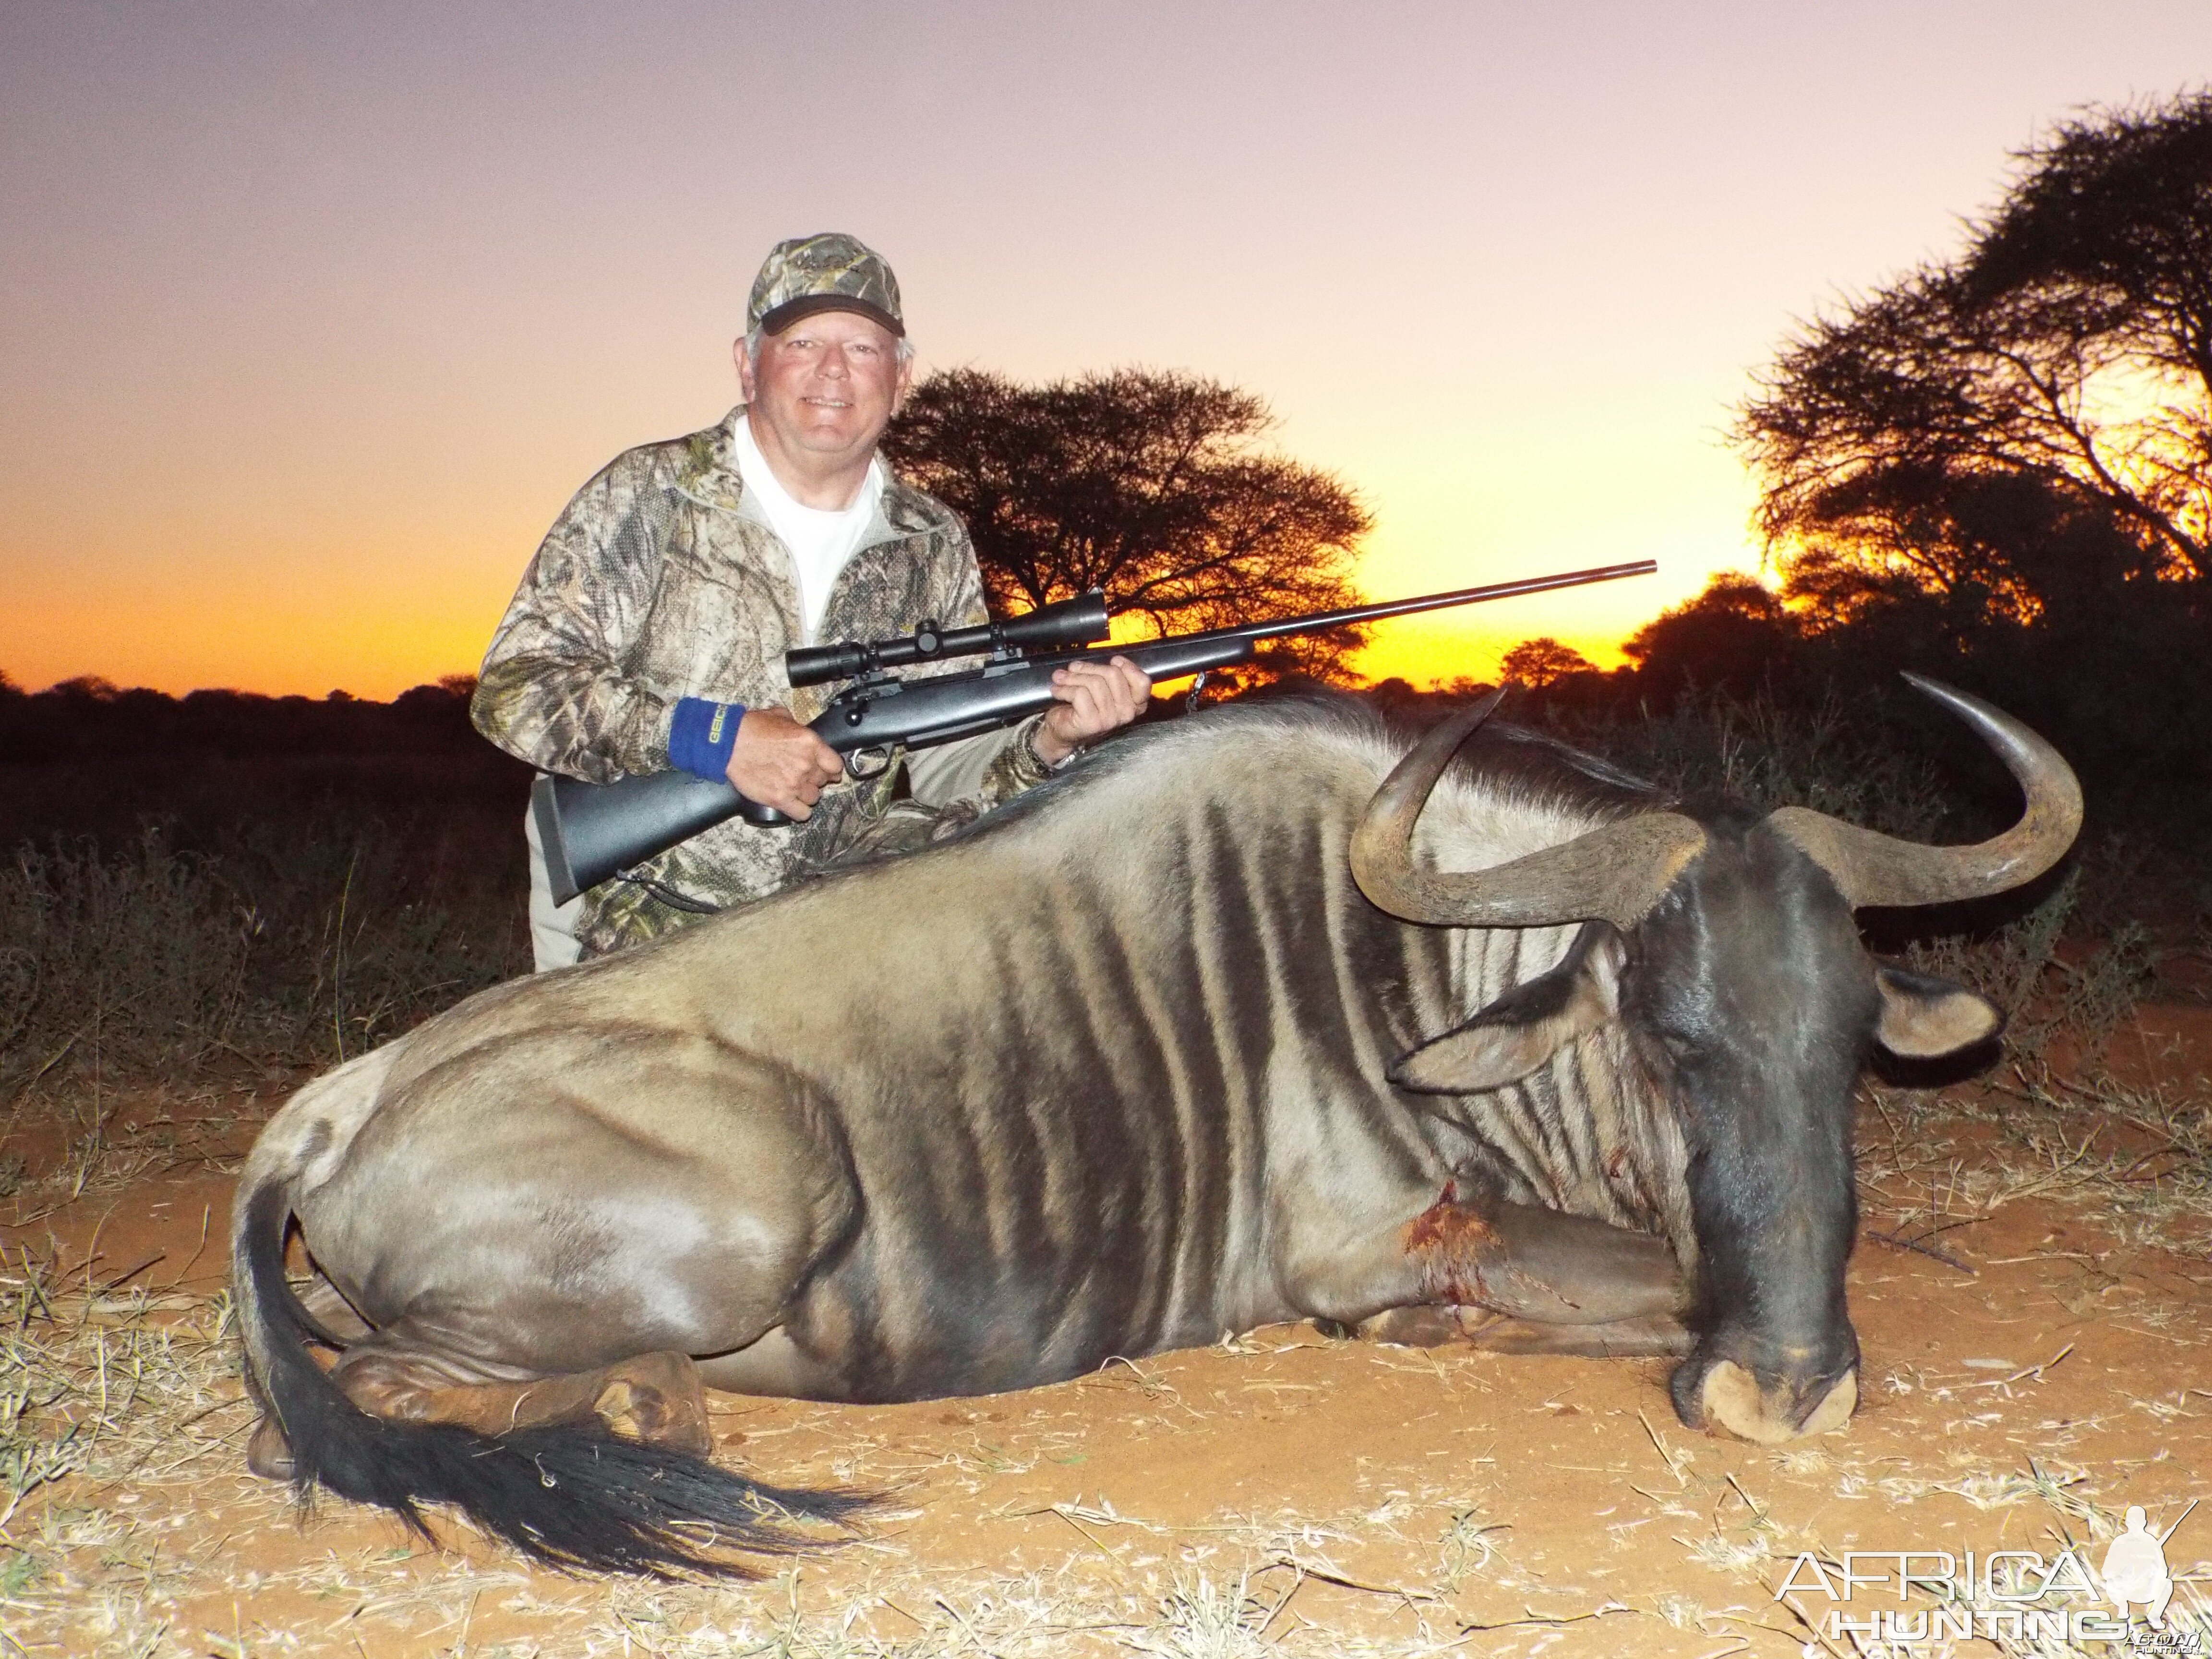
(590, 832)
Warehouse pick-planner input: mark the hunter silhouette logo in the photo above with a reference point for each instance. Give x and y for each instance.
(2135, 1567)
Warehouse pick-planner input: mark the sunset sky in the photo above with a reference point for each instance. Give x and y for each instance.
(312, 314)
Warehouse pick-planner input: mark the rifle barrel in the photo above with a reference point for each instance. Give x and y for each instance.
(2178, 1520)
(1360, 613)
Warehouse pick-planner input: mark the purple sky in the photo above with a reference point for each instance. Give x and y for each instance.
(312, 315)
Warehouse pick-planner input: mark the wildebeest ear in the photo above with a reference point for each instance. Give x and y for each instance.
(1525, 1027)
(1925, 1018)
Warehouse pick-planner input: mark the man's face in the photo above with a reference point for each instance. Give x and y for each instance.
(826, 386)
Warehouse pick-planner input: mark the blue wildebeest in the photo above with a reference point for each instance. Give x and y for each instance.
(1130, 1064)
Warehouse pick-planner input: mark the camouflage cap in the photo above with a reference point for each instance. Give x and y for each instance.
(827, 272)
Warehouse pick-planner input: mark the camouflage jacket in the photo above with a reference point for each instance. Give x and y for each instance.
(662, 580)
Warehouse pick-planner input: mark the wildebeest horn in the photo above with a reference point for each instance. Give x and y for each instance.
(1872, 868)
(1617, 872)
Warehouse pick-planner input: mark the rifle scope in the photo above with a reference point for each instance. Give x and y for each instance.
(1078, 621)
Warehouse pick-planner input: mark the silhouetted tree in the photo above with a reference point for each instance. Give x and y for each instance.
(1149, 485)
(1537, 663)
(2056, 376)
(1737, 635)
(85, 688)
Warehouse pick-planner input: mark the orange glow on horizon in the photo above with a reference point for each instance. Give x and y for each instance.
(257, 636)
(310, 329)
(275, 651)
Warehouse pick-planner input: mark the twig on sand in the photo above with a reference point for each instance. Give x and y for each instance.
(207, 1215)
(2025, 1373)
(1307, 1570)
(1673, 1460)
(917, 1623)
(1918, 1248)
(1750, 1502)
(1534, 1617)
(1297, 1583)
(125, 1277)
(1061, 1510)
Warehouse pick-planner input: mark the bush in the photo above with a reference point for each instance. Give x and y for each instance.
(126, 962)
(298, 940)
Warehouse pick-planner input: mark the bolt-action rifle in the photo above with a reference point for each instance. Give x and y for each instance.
(591, 831)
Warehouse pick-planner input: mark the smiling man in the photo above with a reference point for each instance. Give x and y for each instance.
(649, 630)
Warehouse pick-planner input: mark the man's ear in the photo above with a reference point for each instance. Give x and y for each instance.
(744, 370)
(1925, 1018)
(1527, 1025)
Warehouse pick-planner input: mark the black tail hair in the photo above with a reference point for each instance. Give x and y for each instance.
(568, 1496)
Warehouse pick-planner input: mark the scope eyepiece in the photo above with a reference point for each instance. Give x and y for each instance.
(811, 664)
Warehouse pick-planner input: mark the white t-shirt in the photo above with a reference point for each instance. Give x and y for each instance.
(820, 542)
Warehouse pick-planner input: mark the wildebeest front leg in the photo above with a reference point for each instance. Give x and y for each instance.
(1654, 1336)
(1510, 1277)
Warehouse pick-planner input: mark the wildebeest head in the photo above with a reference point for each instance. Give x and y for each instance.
(1726, 943)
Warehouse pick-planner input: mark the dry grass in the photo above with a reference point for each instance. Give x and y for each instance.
(2135, 1160)
(113, 1405)
(296, 944)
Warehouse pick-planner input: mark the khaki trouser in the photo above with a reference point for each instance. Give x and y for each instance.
(552, 926)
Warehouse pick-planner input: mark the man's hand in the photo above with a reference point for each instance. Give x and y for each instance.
(1094, 698)
(781, 764)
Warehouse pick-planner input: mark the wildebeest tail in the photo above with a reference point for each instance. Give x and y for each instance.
(574, 1496)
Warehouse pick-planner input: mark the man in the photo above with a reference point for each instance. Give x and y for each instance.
(649, 630)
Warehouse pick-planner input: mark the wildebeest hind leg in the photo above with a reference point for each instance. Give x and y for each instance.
(403, 1374)
(399, 1373)
(320, 1300)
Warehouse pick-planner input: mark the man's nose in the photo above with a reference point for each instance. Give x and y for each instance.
(832, 362)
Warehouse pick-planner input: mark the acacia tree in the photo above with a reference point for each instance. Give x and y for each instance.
(1151, 485)
(1736, 634)
(1538, 662)
(2055, 378)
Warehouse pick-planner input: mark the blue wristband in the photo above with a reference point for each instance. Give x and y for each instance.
(701, 735)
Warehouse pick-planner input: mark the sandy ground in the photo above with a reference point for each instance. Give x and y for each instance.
(2032, 1294)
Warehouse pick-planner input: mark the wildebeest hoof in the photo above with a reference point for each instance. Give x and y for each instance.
(269, 1454)
(1731, 1399)
(657, 1398)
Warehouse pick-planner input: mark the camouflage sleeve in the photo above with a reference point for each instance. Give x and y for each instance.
(994, 768)
(552, 690)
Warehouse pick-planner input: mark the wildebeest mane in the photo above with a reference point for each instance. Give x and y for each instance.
(1514, 764)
